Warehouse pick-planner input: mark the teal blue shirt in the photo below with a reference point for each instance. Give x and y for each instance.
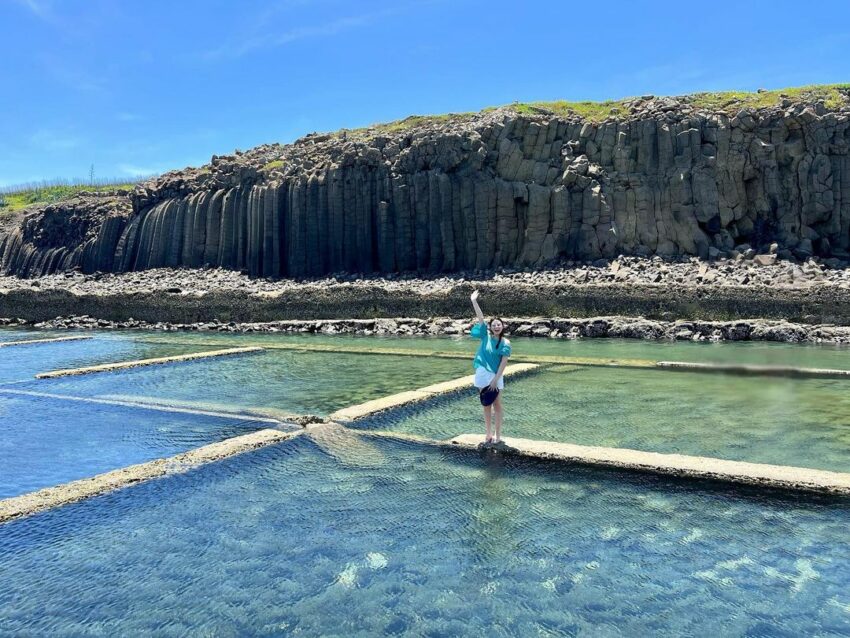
(489, 356)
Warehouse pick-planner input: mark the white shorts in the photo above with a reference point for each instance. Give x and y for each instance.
(483, 377)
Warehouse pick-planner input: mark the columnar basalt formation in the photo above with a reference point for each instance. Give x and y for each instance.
(79, 233)
(502, 188)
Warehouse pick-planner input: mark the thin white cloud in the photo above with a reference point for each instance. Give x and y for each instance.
(127, 117)
(40, 9)
(331, 28)
(258, 33)
(259, 40)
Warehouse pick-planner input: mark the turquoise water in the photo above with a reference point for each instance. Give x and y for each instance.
(760, 419)
(751, 352)
(335, 533)
(267, 382)
(19, 363)
(46, 442)
(303, 538)
(20, 334)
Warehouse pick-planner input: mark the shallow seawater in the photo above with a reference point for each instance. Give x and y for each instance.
(760, 419)
(270, 381)
(14, 333)
(23, 362)
(750, 352)
(45, 442)
(360, 537)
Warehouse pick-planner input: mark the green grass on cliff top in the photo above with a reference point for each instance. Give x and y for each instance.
(15, 198)
(725, 101)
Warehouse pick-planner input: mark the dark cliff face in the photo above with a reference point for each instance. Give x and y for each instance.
(81, 232)
(478, 192)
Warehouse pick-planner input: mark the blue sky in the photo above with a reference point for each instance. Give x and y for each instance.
(143, 87)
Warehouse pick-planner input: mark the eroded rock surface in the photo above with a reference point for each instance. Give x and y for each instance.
(496, 189)
(629, 297)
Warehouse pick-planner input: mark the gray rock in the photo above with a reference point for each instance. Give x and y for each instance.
(499, 189)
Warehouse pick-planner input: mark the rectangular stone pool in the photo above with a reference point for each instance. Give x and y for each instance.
(45, 442)
(23, 362)
(741, 352)
(398, 538)
(759, 419)
(267, 382)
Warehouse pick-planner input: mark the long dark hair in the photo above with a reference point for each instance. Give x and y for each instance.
(501, 334)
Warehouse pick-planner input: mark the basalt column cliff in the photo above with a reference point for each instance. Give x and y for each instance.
(507, 187)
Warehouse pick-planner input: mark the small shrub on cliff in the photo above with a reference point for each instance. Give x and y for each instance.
(273, 165)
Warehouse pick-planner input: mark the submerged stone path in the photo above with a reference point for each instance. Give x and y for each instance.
(159, 407)
(346, 444)
(50, 497)
(602, 362)
(755, 370)
(31, 342)
(123, 365)
(333, 437)
(369, 408)
(700, 467)
(440, 354)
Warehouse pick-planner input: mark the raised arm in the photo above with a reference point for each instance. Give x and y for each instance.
(480, 315)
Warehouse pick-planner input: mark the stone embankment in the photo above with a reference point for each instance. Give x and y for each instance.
(629, 297)
(506, 187)
(558, 328)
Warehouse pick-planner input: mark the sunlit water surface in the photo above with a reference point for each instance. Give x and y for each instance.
(23, 362)
(751, 352)
(274, 381)
(361, 537)
(44, 442)
(351, 535)
(759, 419)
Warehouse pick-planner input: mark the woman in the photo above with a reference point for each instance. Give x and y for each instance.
(490, 362)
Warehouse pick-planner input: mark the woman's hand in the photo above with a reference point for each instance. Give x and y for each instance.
(494, 384)
(478, 314)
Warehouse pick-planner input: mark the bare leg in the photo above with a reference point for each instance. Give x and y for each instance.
(487, 415)
(499, 413)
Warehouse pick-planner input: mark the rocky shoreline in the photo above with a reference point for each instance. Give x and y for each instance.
(629, 297)
(744, 269)
(557, 328)
(732, 290)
